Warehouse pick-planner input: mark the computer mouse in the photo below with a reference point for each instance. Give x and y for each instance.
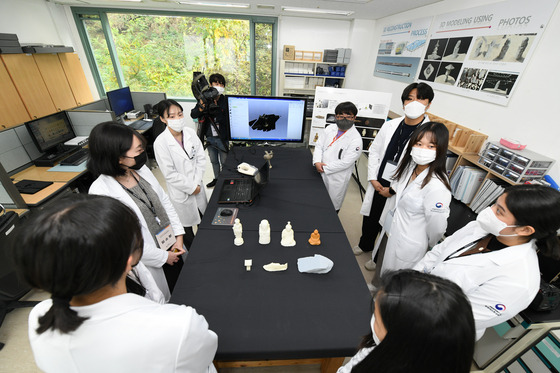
(226, 212)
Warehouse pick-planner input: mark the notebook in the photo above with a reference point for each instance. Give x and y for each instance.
(244, 189)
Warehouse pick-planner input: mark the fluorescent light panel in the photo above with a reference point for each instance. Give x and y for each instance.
(317, 11)
(206, 3)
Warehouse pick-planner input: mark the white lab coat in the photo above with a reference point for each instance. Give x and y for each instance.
(376, 153)
(499, 284)
(183, 174)
(153, 257)
(339, 158)
(419, 219)
(126, 333)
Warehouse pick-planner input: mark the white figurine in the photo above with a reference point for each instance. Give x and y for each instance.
(264, 232)
(238, 232)
(288, 236)
(268, 156)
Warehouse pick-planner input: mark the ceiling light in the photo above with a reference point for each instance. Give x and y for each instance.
(318, 11)
(205, 3)
(128, 1)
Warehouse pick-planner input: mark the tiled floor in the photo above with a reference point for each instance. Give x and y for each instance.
(17, 356)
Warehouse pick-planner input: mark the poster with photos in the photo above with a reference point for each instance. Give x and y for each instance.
(373, 108)
(481, 52)
(401, 48)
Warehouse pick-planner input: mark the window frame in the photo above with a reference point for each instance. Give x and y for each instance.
(101, 14)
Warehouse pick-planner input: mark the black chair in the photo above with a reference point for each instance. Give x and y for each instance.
(12, 288)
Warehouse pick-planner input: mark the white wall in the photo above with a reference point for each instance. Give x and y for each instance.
(528, 115)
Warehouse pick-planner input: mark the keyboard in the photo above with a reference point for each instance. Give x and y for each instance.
(141, 124)
(75, 159)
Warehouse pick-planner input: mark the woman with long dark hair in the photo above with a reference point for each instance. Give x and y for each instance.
(80, 251)
(420, 323)
(117, 159)
(494, 259)
(415, 215)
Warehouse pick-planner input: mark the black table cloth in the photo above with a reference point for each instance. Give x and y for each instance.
(262, 315)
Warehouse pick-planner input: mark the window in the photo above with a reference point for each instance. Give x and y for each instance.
(159, 52)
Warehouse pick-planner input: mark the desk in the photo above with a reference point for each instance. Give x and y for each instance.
(60, 180)
(279, 315)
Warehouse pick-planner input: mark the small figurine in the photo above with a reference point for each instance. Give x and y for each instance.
(288, 236)
(248, 263)
(268, 156)
(238, 232)
(264, 232)
(315, 238)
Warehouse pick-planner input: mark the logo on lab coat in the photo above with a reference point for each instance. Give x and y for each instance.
(500, 307)
(439, 205)
(497, 309)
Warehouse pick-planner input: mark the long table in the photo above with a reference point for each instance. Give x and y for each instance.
(261, 315)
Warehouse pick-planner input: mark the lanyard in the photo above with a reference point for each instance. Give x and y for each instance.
(150, 206)
(399, 143)
(470, 245)
(185, 150)
(336, 137)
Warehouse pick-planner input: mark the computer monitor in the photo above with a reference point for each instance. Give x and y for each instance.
(120, 101)
(51, 131)
(266, 119)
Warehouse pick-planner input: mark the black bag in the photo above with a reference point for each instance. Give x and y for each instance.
(547, 299)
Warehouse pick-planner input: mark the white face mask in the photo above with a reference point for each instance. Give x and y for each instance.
(375, 337)
(414, 109)
(489, 222)
(220, 89)
(422, 156)
(177, 124)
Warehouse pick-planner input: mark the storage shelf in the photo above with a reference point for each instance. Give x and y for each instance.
(473, 158)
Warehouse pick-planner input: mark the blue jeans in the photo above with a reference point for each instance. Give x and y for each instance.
(217, 154)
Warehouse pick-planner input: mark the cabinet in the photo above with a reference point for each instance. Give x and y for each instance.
(29, 83)
(301, 78)
(36, 85)
(55, 80)
(76, 77)
(11, 106)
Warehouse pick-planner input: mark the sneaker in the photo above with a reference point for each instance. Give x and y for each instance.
(211, 184)
(356, 250)
(370, 265)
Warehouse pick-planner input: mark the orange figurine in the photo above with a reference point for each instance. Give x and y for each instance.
(315, 238)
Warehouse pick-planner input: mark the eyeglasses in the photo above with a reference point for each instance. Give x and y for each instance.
(344, 116)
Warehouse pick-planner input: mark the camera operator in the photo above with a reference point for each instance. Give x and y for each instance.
(214, 126)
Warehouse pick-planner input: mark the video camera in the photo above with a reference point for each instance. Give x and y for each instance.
(204, 92)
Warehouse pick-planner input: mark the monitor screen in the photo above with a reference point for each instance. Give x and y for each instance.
(50, 131)
(260, 118)
(120, 101)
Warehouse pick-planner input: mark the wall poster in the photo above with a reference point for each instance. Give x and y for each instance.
(373, 108)
(481, 52)
(401, 49)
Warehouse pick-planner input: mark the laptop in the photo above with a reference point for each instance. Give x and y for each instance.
(244, 190)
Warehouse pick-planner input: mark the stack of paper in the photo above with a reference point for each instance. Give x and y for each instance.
(489, 192)
(314, 264)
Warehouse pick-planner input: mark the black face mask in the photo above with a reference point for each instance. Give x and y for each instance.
(140, 160)
(344, 124)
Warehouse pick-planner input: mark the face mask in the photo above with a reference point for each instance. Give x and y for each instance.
(414, 110)
(140, 160)
(375, 337)
(489, 222)
(344, 124)
(176, 124)
(220, 90)
(423, 156)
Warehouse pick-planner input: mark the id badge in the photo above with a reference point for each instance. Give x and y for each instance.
(389, 220)
(389, 171)
(166, 238)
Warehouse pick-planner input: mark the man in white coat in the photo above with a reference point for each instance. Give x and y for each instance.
(181, 159)
(384, 155)
(337, 150)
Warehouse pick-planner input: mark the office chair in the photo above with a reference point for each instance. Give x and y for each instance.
(12, 288)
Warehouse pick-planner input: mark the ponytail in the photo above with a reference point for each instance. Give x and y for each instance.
(60, 317)
(549, 246)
